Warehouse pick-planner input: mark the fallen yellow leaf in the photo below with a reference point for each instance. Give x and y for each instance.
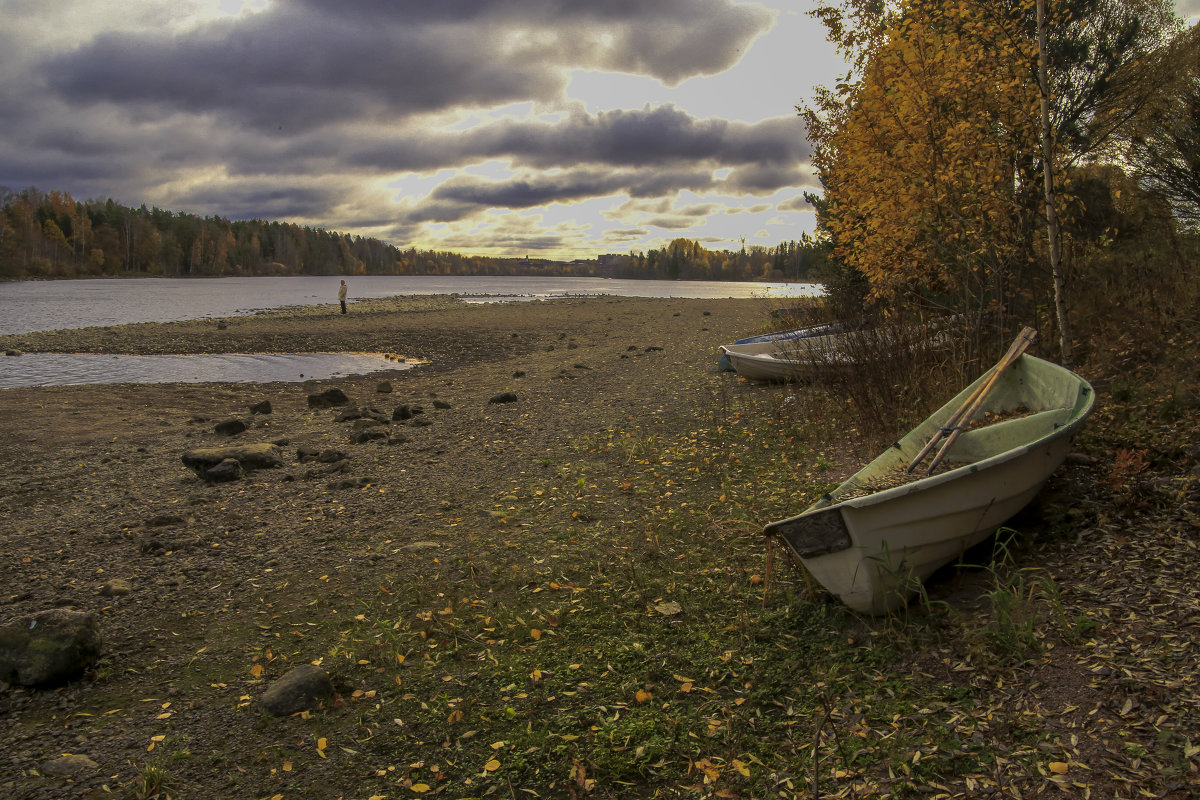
(535, 634)
(1059, 767)
(491, 766)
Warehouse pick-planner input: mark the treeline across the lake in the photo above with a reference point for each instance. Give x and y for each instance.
(53, 235)
(686, 259)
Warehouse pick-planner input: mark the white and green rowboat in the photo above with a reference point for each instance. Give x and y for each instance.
(872, 549)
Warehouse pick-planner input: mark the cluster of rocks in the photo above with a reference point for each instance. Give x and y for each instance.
(52, 648)
(367, 424)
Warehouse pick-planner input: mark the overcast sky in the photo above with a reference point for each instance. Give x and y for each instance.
(549, 128)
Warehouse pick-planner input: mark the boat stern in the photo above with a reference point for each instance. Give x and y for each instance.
(813, 534)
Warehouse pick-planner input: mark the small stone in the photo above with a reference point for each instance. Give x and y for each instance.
(384, 387)
(228, 470)
(414, 547)
(503, 397)
(328, 399)
(117, 587)
(402, 412)
(250, 456)
(230, 427)
(349, 483)
(261, 408)
(442, 404)
(13, 353)
(301, 689)
(68, 765)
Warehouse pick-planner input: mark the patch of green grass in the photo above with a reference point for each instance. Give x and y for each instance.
(153, 781)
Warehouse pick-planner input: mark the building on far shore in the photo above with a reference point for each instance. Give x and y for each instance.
(606, 264)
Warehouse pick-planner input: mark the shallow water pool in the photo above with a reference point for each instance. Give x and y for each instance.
(66, 369)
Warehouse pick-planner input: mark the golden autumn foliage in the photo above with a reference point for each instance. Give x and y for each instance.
(920, 177)
(929, 150)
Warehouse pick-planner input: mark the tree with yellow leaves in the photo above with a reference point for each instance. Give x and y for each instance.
(929, 151)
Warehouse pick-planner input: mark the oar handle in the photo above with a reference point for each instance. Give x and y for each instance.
(1024, 339)
(951, 424)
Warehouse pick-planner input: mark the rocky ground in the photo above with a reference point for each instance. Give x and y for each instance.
(532, 566)
(100, 513)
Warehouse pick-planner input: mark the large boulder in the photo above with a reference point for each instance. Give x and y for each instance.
(249, 456)
(49, 648)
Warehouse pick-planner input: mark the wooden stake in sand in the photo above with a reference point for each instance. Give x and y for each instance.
(962, 417)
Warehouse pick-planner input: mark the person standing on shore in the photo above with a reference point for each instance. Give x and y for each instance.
(342, 296)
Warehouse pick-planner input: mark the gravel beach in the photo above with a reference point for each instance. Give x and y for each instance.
(101, 514)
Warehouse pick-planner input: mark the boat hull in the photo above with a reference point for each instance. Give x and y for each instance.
(829, 352)
(793, 358)
(873, 551)
(724, 364)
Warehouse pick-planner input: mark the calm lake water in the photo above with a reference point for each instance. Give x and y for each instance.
(67, 369)
(52, 305)
(27, 306)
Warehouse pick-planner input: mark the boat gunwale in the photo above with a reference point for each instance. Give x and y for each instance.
(1077, 418)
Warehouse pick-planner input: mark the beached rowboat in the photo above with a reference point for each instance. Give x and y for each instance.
(871, 548)
(724, 364)
(789, 359)
(828, 353)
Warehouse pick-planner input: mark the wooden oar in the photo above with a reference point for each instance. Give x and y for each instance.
(1024, 339)
(953, 428)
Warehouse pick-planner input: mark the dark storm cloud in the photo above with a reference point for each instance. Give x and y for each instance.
(302, 65)
(529, 193)
(664, 138)
(273, 199)
(796, 204)
(671, 40)
(296, 74)
(462, 197)
(651, 135)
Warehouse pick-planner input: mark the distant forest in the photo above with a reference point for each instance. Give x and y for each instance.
(52, 235)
